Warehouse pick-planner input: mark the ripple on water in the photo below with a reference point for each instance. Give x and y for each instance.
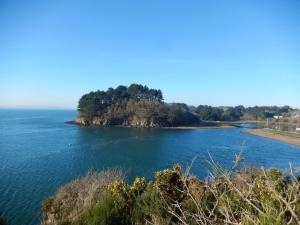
(39, 153)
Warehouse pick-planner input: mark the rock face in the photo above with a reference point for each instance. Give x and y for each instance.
(137, 113)
(133, 106)
(82, 121)
(128, 122)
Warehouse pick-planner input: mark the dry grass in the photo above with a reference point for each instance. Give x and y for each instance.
(251, 196)
(279, 136)
(71, 199)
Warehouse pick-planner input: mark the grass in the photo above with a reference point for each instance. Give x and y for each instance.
(71, 199)
(284, 133)
(248, 196)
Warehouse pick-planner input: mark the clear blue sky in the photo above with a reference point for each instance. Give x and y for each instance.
(199, 52)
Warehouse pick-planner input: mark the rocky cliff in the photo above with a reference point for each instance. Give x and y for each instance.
(129, 122)
(135, 106)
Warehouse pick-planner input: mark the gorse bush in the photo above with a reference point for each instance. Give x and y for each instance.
(170, 184)
(249, 196)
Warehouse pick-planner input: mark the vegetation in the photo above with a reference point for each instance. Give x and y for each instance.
(248, 196)
(136, 105)
(79, 194)
(239, 112)
(140, 106)
(96, 103)
(284, 133)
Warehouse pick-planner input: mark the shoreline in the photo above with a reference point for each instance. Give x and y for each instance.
(199, 127)
(219, 126)
(274, 136)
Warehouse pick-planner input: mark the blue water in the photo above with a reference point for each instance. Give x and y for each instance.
(39, 153)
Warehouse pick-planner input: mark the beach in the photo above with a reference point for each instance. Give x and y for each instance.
(291, 138)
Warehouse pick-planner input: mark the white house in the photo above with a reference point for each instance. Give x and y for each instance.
(278, 117)
(298, 129)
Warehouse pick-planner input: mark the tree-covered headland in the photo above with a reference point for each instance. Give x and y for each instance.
(136, 105)
(140, 106)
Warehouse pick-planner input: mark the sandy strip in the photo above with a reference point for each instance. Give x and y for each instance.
(199, 127)
(278, 137)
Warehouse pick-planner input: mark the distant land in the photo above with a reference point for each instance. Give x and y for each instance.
(140, 106)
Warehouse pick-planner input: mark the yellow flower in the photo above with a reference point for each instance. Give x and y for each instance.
(117, 187)
(138, 185)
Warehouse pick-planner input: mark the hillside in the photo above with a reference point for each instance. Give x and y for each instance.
(140, 106)
(174, 197)
(134, 106)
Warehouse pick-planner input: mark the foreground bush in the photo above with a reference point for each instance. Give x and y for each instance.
(72, 199)
(249, 196)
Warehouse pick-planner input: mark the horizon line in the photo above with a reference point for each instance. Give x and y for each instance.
(76, 109)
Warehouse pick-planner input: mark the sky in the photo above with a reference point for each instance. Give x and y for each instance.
(221, 53)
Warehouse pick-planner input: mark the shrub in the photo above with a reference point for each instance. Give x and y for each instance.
(169, 183)
(108, 211)
(150, 206)
(76, 196)
(248, 197)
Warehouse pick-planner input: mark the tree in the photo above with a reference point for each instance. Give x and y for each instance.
(158, 96)
(135, 91)
(93, 103)
(179, 114)
(209, 113)
(256, 112)
(140, 92)
(120, 93)
(234, 113)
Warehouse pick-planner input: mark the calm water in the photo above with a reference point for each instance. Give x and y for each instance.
(39, 153)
